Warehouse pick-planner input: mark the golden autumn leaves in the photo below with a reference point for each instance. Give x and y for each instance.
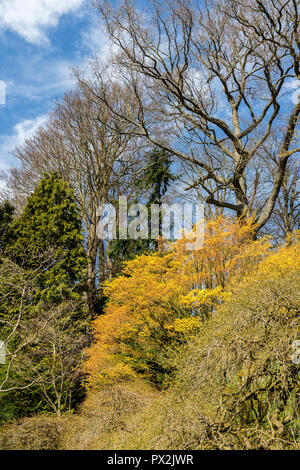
(163, 298)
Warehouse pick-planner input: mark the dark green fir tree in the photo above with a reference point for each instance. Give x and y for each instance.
(48, 236)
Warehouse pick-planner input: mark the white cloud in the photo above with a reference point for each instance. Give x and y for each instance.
(31, 18)
(293, 84)
(54, 78)
(97, 43)
(25, 129)
(21, 131)
(96, 40)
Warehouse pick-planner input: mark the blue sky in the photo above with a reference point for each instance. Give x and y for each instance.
(40, 41)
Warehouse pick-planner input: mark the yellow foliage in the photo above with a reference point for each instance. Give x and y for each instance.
(163, 297)
(185, 325)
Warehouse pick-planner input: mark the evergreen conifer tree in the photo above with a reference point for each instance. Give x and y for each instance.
(49, 231)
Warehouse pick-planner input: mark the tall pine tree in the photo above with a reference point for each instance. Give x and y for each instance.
(49, 232)
(157, 176)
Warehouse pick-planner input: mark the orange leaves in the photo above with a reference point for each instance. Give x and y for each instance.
(286, 259)
(164, 297)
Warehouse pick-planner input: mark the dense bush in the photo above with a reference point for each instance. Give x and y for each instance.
(237, 386)
(164, 297)
(105, 414)
(38, 433)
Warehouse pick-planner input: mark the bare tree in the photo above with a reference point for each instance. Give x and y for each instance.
(207, 82)
(101, 163)
(286, 214)
(43, 349)
(54, 360)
